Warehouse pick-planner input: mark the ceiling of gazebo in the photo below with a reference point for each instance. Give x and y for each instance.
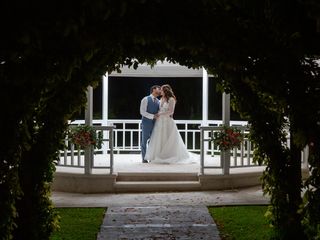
(161, 69)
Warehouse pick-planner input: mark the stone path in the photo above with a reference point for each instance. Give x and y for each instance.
(158, 222)
(170, 216)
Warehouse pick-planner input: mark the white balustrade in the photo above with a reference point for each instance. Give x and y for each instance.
(126, 139)
(124, 135)
(237, 157)
(85, 157)
(128, 132)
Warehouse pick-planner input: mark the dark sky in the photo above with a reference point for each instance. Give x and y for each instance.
(125, 94)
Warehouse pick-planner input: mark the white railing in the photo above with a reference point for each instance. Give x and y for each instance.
(236, 157)
(124, 137)
(85, 158)
(127, 133)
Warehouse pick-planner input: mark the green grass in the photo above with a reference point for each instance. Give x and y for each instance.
(234, 222)
(79, 223)
(242, 222)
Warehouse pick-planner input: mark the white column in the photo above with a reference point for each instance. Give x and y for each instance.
(204, 97)
(105, 105)
(305, 156)
(225, 121)
(89, 107)
(205, 101)
(105, 97)
(88, 154)
(226, 109)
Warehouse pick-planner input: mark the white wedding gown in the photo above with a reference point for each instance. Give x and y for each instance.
(166, 144)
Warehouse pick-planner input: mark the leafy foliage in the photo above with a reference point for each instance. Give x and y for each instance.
(262, 52)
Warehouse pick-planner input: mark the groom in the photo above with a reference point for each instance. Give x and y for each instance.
(149, 108)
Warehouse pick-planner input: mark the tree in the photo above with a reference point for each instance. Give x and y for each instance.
(263, 53)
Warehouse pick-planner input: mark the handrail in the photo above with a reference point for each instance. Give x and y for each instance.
(224, 155)
(88, 161)
(110, 129)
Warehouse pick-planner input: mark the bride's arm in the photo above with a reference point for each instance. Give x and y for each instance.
(170, 110)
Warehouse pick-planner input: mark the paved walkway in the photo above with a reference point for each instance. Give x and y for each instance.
(244, 196)
(151, 216)
(158, 222)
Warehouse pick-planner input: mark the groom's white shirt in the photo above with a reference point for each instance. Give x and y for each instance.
(143, 107)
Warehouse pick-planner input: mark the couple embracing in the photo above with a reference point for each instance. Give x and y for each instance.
(158, 127)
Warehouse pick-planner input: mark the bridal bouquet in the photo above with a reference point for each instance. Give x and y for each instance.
(227, 138)
(85, 136)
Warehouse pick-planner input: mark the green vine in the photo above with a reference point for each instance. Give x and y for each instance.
(262, 52)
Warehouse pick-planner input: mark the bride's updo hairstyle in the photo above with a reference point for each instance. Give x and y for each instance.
(167, 91)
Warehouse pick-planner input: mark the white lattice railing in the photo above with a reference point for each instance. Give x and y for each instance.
(79, 158)
(127, 133)
(123, 136)
(237, 157)
(126, 139)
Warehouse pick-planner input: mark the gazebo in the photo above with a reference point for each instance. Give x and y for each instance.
(117, 167)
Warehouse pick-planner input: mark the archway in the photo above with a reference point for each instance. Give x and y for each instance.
(63, 48)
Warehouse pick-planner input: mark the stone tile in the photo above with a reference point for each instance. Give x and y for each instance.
(158, 222)
(154, 233)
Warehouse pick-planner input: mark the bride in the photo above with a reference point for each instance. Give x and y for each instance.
(166, 145)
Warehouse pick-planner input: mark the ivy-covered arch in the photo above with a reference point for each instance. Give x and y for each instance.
(263, 52)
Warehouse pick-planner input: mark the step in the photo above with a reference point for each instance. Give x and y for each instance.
(156, 186)
(159, 176)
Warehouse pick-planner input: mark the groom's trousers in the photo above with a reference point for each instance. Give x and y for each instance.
(147, 127)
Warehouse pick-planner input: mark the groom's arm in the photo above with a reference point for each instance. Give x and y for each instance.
(143, 109)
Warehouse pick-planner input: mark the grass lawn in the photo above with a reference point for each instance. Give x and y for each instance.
(234, 222)
(79, 223)
(242, 222)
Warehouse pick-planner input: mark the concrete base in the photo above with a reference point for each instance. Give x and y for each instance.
(154, 182)
(81, 183)
(219, 182)
(157, 186)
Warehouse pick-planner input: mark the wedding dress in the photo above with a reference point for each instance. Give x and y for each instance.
(166, 144)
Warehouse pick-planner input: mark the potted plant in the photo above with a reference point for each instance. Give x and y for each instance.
(85, 136)
(227, 138)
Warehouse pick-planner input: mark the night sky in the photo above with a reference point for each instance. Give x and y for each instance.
(125, 94)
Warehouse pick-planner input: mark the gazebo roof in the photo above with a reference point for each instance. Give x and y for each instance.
(161, 69)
